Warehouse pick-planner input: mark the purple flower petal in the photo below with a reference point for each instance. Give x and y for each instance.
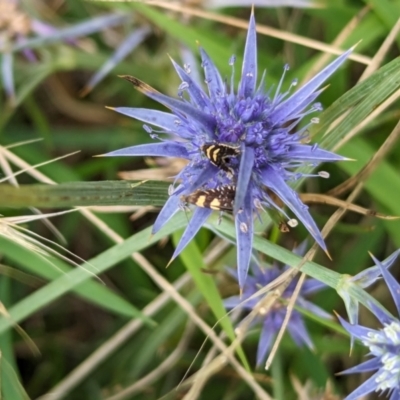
(264, 344)
(7, 75)
(357, 331)
(248, 81)
(312, 286)
(197, 95)
(232, 302)
(127, 46)
(185, 110)
(274, 181)
(215, 84)
(170, 208)
(198, 219)
(369, 365)
(245, 171)
(298, 331)
(395, 395)
(191, 64)
(384, 317)
(164, 120)
(259, 3)
(244, 237)
(388, 262)
(285, 109)
(312, 308)
(82, 29)
(392, 284)
(312, 153)
(164, 149)
(367, 387)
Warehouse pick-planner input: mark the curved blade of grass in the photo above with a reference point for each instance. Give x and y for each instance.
(81, 29)
(383, 184)
(10, 382)
(194, 263)
(363, 97)
(51, 268)
(138, 193)
(325, 275)
(97, 265)
(217, 45)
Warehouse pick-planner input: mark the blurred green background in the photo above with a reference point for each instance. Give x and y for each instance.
(128, 334)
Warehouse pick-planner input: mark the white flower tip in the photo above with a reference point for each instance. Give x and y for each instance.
(353, 47)
(110, 108)
(328, 255)
(170, 262)
(349, 159)
(293, 223)
(324, 174)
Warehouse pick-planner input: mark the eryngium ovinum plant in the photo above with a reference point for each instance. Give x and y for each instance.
(254, 125)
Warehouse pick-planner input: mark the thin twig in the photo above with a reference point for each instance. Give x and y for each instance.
(163, 368)
(339, 40)
(265, 30)
(373, 163)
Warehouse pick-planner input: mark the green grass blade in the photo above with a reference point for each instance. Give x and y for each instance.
(76, 277)
(138, 193)
(194, 263)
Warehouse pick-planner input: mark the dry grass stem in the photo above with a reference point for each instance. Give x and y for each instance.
(373, 163)
(243, 24)
(162, 369)
(338, 42)
(333, 201)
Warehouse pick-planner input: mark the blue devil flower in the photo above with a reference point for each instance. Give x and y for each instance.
(383, 344)
(273, 320)
(241, 146)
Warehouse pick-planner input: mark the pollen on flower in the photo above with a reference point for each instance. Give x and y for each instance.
(293, 223)
(243, 227)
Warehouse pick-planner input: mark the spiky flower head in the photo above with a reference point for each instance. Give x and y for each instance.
(272, 320)
(383, 345)
(241, 140)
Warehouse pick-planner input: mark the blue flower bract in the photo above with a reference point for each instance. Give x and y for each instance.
(261, 127)
(272, 320)
(383, 344)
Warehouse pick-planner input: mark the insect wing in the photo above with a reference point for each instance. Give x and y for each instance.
(220, 154)
(220, 198)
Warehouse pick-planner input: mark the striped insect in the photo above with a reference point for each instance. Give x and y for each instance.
(220, 155)
(220, 198)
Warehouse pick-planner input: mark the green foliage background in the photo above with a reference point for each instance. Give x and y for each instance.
(65, 331)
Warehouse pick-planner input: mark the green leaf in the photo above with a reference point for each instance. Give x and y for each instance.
(50, 268)
(75, 278)
(104, 193)
(194, 263)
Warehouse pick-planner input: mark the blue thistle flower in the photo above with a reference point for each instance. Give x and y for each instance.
(259, 126)
(273, 320)
(383, 344)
